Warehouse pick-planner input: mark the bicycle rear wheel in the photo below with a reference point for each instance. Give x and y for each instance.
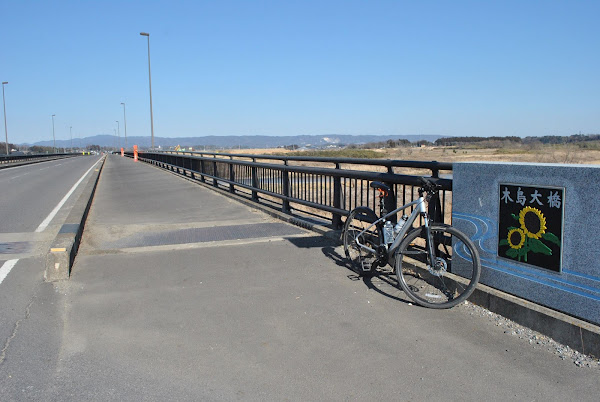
(446, 281)
(362, 261)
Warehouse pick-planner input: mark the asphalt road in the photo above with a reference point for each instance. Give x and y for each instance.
(29, 221)
(179, 293)
(30, 192)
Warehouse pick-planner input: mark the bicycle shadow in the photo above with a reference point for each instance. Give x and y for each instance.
(384, 282)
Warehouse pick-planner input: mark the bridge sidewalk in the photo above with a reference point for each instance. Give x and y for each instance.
(179, 293)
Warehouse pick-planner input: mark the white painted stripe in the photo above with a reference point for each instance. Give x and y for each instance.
(21, 175)
(6, 267)
(49, 218)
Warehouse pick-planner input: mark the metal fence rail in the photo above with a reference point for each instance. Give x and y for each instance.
(329, 188)
(13, 160)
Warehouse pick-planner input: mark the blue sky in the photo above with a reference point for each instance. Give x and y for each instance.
(453, 68)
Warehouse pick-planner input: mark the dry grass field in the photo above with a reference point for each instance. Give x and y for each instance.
(539, 154)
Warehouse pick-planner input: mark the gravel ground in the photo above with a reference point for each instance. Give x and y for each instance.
(536, 339)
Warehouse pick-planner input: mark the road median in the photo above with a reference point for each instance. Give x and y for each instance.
(63, 250)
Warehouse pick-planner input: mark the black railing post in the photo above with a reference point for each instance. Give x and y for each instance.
(202, 171)
(187, 165)
(285, 207)
(336, 220)
(390, 201)
(231, 177)
(254, 181)
(215, 183)
(434, 209)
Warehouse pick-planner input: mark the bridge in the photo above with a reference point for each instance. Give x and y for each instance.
(180, 291)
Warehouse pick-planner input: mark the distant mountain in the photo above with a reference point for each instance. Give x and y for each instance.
(233, 141)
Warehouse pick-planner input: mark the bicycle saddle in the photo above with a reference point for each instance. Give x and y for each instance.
(380, 186)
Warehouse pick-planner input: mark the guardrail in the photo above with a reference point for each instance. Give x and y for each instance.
(326, 188)
(13, 160)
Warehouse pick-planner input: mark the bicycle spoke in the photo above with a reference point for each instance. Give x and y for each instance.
(431, 283)
(361, 239)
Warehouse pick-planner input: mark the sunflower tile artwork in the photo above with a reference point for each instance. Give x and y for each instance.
(530, 225)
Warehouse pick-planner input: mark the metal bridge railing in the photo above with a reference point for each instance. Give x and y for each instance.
(327, 188)
(8, 160)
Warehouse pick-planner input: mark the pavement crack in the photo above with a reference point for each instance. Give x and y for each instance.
(15, 331)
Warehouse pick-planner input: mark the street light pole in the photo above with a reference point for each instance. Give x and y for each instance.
(150, 85)
(125, 124)
(53, 136)
(4, 104)
(71, 132)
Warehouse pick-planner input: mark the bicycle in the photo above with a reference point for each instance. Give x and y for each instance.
(436, 265)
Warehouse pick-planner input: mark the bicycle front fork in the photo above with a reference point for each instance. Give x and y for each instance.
(429, 241)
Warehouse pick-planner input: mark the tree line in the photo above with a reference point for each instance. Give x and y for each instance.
(3, 147)
(547, 139)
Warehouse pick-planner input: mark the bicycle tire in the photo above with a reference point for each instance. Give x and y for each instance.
(450, 280)
(362, 261)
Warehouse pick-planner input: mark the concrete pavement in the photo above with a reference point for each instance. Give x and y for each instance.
(179, 293)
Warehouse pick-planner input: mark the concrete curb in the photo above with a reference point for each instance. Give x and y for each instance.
(577, 334)
(61, 255)
(573, 332)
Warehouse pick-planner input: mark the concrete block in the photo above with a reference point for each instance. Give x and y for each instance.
(575, 290)
(58, 259)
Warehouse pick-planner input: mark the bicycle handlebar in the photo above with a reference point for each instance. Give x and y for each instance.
(429, 187)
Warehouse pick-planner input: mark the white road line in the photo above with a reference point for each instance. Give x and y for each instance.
(49, 218)
(6, 267)
(16, 177)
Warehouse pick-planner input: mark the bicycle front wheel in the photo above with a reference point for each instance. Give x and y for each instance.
(362, 261)
(447, 280)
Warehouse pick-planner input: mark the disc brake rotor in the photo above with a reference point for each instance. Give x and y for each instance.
(439, 268)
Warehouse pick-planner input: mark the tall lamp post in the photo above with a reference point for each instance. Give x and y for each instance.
(4, 104)
(71, 132)
(147, 35)
(125, 124)
(53, 136)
